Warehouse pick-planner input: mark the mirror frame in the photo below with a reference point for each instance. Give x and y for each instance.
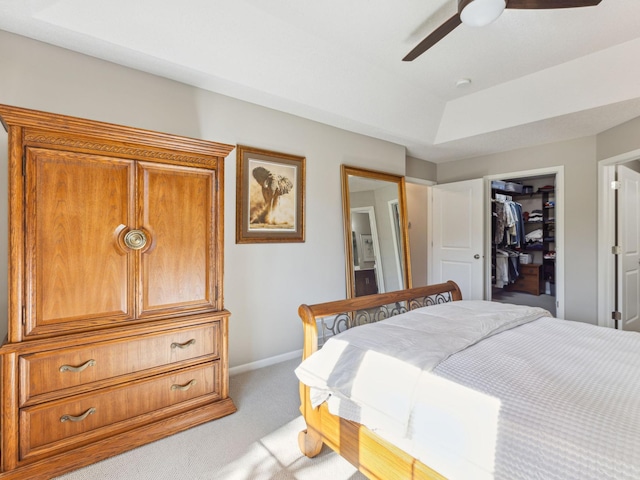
(346, 171)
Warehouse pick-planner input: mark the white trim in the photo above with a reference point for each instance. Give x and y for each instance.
(622, 158)
(430, 235)
(606, 235)
(265, 362)
(559, 216)
(395, 227)
(420, 181)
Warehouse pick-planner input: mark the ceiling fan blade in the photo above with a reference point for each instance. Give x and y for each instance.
(433, 38)
(549, 4)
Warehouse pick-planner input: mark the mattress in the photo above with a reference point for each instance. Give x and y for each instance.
(532, 398)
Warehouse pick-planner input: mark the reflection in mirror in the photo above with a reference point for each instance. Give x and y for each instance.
(375, 228)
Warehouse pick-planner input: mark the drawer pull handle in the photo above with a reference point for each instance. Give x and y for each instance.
(184, 388)
(183, 345)
(71, 418)
(69, 368)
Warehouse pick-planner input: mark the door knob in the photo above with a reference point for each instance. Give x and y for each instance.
(476, 256)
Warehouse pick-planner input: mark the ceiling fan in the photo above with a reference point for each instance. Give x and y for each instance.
(478, 13)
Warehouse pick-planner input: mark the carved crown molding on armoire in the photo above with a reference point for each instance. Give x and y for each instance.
(117, 332)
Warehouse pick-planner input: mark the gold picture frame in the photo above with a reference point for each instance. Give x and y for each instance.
(270, 196)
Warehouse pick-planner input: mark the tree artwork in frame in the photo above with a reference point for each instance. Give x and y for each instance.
(269, 196)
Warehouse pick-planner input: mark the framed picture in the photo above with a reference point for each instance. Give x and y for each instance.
(269, 196)
(368, 254)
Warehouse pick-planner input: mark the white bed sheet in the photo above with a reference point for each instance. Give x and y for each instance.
(547, 399)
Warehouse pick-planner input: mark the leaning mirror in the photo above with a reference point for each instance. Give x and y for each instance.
(375, 232)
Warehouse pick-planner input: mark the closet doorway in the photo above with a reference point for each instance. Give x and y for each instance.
(524, 261)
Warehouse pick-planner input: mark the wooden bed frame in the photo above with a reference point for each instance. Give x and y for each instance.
(373, 456)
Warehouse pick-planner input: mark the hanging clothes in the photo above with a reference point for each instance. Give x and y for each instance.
(509, 223)
(507, 267)
(502, 269)
(508, 234)
(500, 223)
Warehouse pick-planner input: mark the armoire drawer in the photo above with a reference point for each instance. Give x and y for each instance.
(79, 419)
(57, 370)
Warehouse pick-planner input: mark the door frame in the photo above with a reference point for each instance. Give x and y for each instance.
(394, 208)
(629, 257)
(559, 224)
(369, 210)
(606, 235)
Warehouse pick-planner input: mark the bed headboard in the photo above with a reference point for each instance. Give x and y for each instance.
(337, 316)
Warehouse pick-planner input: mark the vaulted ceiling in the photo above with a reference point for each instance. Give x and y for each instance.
(536, 76)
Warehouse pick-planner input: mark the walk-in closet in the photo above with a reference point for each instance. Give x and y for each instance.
(523, 251)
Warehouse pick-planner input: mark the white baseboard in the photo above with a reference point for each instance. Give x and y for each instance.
(265, 362)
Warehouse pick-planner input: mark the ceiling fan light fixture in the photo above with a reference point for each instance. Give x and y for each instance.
(478, 13)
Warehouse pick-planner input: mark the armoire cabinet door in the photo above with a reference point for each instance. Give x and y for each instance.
(176, 271)
(76, 274)
(80, 271)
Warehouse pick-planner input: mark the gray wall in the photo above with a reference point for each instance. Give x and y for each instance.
(619, 140)
(417, 215)
(264, 283)
(417, 209)
(633, 165)
(421, 169)
(580, 176)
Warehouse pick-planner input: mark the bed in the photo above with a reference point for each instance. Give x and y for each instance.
(422, 384)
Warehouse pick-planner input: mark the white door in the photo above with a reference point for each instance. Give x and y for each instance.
(629, 242)
(457, 230)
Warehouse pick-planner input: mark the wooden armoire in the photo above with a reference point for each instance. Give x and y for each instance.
(117, 334)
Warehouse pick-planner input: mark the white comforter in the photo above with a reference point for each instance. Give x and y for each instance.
(463, 390)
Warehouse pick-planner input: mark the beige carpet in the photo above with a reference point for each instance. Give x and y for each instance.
(259, 441)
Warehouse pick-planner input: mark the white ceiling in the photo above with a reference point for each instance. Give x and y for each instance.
(537, 76)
